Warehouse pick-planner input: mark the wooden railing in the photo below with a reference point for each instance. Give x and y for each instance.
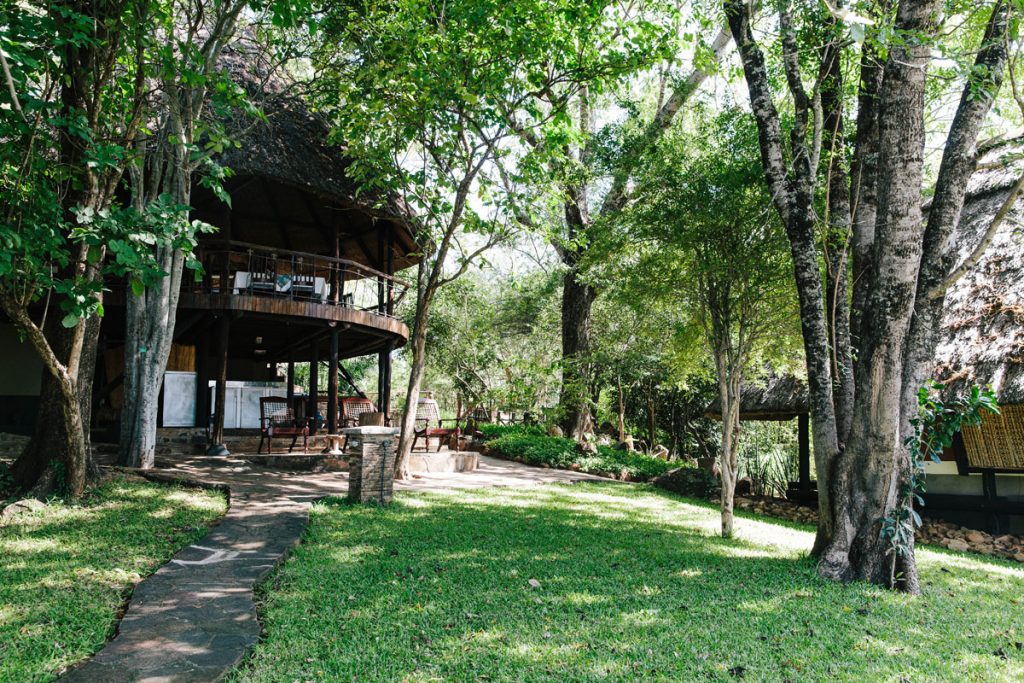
(254, 270)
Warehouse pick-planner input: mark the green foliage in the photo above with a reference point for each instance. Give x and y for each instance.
(937, 421)
(633, 585)
(536, 449)
(66, 570)
(533, 447)
(493, 431)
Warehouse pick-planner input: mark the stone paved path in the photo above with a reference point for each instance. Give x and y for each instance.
(195, 618)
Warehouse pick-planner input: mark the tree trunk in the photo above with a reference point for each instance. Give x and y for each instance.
(577, 304)
(68, 472)
(729, 381)
(873, 466)
(424, 300)
(49, 442)
(837, 240)
(621, 413)
(793, 198)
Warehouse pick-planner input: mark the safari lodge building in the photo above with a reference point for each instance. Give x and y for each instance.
(300, 270)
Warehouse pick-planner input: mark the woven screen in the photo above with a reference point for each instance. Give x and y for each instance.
(999, 441)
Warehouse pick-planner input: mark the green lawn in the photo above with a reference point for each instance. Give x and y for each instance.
(633, 585)
(66, 570)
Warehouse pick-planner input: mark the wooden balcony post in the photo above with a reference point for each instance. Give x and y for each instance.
(332, 385)
(391, 269)
(384, 381)
(314, 380)
(217, 437)
(290, 389)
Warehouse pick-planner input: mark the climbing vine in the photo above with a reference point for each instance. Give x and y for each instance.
(936, 423)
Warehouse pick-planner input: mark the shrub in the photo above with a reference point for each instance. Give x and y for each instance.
(493, 431)
(690, 481)
(533, 447)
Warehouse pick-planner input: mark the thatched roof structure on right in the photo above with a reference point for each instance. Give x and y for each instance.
(982, 338)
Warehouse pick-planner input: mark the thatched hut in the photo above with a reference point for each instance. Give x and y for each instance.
(979, 481)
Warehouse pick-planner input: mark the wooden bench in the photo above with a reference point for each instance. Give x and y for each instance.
(277, 418)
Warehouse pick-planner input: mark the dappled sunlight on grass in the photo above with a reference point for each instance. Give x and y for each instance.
(66, 569)
(604, 581)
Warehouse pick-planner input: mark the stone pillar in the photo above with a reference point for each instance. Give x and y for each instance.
(371, 451)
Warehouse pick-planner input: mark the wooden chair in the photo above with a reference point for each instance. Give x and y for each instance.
(352, 407)
(277, 418)
(428, 413)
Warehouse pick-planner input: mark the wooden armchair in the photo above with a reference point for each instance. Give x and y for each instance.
(352, 407)
(428, 413)
(277, 418)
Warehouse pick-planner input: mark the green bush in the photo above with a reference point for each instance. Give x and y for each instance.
(533, 447)
(493, 431)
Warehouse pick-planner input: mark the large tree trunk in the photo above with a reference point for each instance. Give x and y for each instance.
(148, 337)
(151, 315)
(68, 471)
(577, 304)
(49, 442)
(873, 466)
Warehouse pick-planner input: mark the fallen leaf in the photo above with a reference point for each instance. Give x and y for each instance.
(534, 583)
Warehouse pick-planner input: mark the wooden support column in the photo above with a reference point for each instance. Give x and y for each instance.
(290, 390)
(332, 385)
(203, 377)
(217, 437)
(380, 265)
(804, 442)
(314, 380)
(384, 382)
(391, 269)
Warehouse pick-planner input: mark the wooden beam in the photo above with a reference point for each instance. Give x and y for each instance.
(223, 333)
(332, 385)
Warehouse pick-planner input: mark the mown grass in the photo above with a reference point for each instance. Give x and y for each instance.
(66, 570)
(633, 585)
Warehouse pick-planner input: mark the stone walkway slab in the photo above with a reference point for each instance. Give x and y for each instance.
(195, 618)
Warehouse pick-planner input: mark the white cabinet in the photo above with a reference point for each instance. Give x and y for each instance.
(242, 402)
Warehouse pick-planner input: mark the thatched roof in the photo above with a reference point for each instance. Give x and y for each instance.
(776, 397)
(983, 321)
(289, 175)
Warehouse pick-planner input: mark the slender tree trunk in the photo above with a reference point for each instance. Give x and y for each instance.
(424, 300)
(149, 332)
(621, 412)
(837, 240)
(873, 465)
(794, 200)
(729, 382)
(863, 185)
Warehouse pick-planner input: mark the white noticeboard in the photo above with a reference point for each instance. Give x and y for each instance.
(179, 399)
